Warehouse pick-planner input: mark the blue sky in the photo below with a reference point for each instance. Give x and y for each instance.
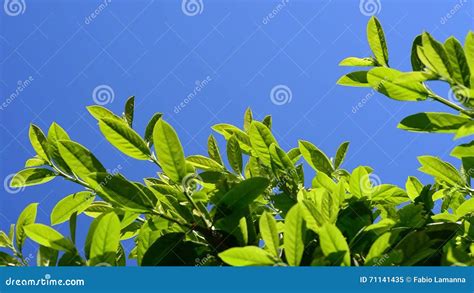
(160, 51)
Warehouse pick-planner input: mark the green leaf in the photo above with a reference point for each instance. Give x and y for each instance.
(150, 127)
(341, 154)
(129, 111)
(244, 193)
(261, 138)
(463, 150)
(4, 240)
(457, 59)
(433, 122)
(465, 208)
(465, 130)
(124, 138)
(442, 171)
(315, 157)
(39, 142)
(381, 245)
(99, 113)
(332, 241)
(416, 63)
(56, 133)
(204, 163)
(30, 177)
(267, 121)
(269, 232)
(74, 203)
(293, 236)
(171, 249)
(46, 257)
(281, 160)
(234, 154)
(388, 194)
(437, 56)
(387, 82)
(79, 159)
(228, 130)
(469, 51)
(105, 240)
(117, 190)
(356, 78)
(169, 151)
(213, 150)
(248, 118)
(354, 61)
(247, 256)
(377, 43)
(413, 187)
(27, 217)
(35, 162)
(359, 182)
(49, 237)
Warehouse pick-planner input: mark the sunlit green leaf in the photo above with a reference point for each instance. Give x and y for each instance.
(124, 138)
(74, 203)
(169, 151)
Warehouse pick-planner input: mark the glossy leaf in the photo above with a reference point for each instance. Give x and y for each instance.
(30, 177)
(48, 237)
(315, 157)
(169, 151)
(27, 217)
(79, 159)
(433, 122)
(385, 81)
(261, 139)
(124, 138)
(376, 38)
(293, 236)
(234, 154)
(269, 232)
(105, 240)
(247, 256)
(332, 241)
(74, 203)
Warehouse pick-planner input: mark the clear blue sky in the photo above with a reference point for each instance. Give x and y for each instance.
(155, 51)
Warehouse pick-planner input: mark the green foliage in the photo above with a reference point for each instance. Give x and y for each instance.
(256, 210)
